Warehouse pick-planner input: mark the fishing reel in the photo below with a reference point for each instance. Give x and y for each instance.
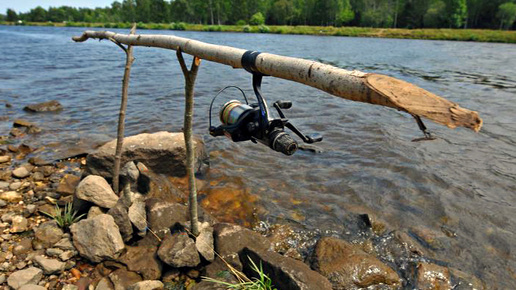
(252, 122)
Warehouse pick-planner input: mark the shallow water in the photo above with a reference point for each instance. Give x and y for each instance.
(463, 181)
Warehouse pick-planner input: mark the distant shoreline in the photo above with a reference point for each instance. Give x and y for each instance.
(476, 35)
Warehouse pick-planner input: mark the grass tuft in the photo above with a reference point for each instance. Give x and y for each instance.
(65, 218)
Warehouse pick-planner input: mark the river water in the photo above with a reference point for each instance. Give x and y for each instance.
(463, 182)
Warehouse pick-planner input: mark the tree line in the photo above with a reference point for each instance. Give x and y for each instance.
(494, 14)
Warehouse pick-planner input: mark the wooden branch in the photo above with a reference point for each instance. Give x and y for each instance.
(352, 85)
(123, 106)
(190, 76)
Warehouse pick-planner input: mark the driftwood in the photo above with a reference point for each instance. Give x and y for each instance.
(352, 85)
(190, 76)
(123, 106)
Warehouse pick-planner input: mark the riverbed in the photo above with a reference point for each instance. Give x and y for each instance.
(461, 186)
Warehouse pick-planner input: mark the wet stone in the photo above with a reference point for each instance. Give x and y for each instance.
(50, 106)
(432, 276)
(5, 158)
(21, 172)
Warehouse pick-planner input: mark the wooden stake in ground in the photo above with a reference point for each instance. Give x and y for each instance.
(190, 76)
(352, 85)
(123, 106)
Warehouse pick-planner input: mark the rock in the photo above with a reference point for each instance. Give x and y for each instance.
(122, 279)
(229, 239)
(129, 173)
(143, 260)
(105, 284)
(21, 172)
(466, 281)
(285, 273)
(11, 196)
(38, 176)
(19, 224)
(49, 266)
(204, 242)
(30, 275)
(22, 123)
(54, 252)
(138, 216)
(4, 185)
(98, 238)
(162, 152)
(208, 285)
(346, 266)
(31, 287)
(23, 247)
(15, 185)
(65, 244)
(178, 250)
(161, 216)
(48, 234)
(432, 276)
(3, 278)
(36, 161)
(17, 132)
(67, 255)
(147, 285)
(68, 184)
(73, 287)
(29, 210)
(95, 211)
(219, 270)
(8, 217)
(119, 214)
(95, 189)
(50, 106)
(5, 158)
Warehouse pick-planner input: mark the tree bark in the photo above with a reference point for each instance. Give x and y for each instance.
(123, 106)
(352, 85)
(190, 76)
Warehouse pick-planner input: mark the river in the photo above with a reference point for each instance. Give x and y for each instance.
(463, 182)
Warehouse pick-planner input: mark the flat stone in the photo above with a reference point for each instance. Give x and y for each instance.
(119, 214)
(147, 285)
(19, 224)
(48, 233)
(161, 216)
(138, 215)
(143, 260)
(204, 242)
(50, 106)
(122, 279)
(11, 196)
(432, 276)
(68, 184)
(32, 287)
(31, 275)
(15, 185)
(229, 239)
(95, 189)
(22, 123)
(105, 284)
(98, 238)
(67, 255)
(23, 247)
(284, 272)
(5, 158)
(49, 266)
(347, 266)
(178, 250)
(2, 203)
(162, 152)
(64, 244)
(21, 172)
(54, 252)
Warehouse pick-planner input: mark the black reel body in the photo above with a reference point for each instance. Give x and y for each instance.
(251, 122)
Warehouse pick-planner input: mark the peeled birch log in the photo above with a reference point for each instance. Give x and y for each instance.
(352, 85)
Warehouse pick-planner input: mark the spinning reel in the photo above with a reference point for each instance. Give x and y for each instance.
(243, 122)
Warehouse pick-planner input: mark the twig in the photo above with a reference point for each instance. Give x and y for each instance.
(123, 106)
(190, 76)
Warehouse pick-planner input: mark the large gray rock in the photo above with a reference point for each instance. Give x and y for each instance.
(161, 152)
(284, 272)
(143, 260)
(161, 216)
(95, 189)
(347, 266)
(50, 106)
(229, 239)
(147, 285)
(49, 266)
(178, 250)
(98, 238)
(30, 275)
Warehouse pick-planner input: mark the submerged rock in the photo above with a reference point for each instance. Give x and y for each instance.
(284, 272)
(178, 250)
(50, 106)
(161, 152)
(432, 276)
(98, 238)
(346, 266)
(95, 189)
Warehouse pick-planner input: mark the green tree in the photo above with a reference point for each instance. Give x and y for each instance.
(11, 15)
(38, 14)
(506, 14)
(344, 13)
(257, 19)
(435, 15)
(457, 12)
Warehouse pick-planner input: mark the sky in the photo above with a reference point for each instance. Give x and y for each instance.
(26, 5)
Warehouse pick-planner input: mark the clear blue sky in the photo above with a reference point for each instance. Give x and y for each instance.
(26, 5)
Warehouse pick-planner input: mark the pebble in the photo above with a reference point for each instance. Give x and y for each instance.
(2, 203)
(4, 185)
(19, 224)
(54, 252)
(15, 185)
(11, 196)
(5, 158)
(20, 172)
